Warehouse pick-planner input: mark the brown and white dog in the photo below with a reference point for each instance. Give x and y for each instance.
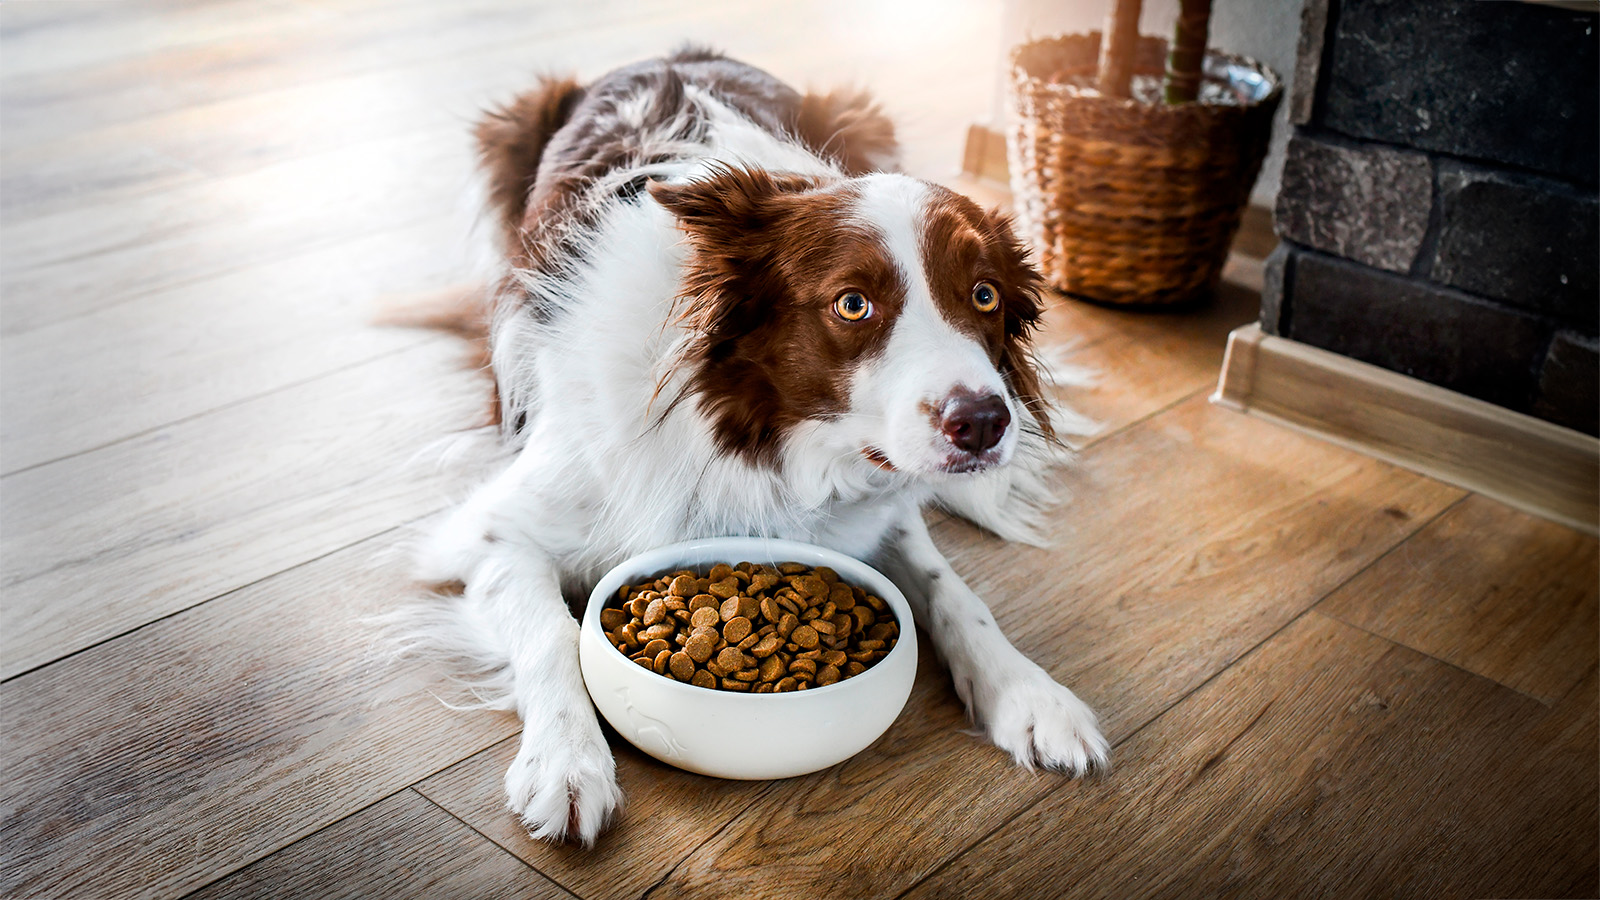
(722, 315)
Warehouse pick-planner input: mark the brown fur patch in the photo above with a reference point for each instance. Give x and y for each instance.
(962, 245)
(771, 254)
(511, 141)
(847, 127)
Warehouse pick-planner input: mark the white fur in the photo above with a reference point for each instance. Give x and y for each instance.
(607, 466)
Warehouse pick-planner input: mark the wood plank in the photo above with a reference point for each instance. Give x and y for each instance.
(1491, 590)
(1191, 537)
(154, 764)
(1329, 763)
(78, 261)
(54, 37)
(144, 528)
(443, 94)
(401, 848)
(666, 815)
(1535, 466)
(93, 379)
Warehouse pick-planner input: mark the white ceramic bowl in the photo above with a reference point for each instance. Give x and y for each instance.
(735, 735)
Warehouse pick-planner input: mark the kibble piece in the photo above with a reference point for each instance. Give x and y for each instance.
(704, 679)
(788, 623)
(762, 688)
(705, 617)
(642, 661)
(787, 684)
(767, 646)
(833, 657)
(762, 582)
(655, 646)
(737, 629)
(854, 668)
(809, 586)
(839, 595)
(733, 684)
(612, 618)
(746, 675)
(805, 636)
(703, 601)
(803, 667)
(720, 571)
(662, 660)
(662, 631)
(630, 634)
(682, 666)
(655, 612)
(769, 610)
(730, 609)
(731, 659)
(682, 586)
(791, 568)
(771, 668)
(700, 646)
(823, 627)
(827, 675)
(880, 631)
(750, 640)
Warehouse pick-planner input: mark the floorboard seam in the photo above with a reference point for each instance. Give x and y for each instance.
(1309, 608)
(227, 593)
(231, 404)
(644, 895)
(290, 843)
(492, 842)
(1550, 704)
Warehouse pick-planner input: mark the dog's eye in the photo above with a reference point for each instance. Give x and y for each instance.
(985, 297)
(852, 306)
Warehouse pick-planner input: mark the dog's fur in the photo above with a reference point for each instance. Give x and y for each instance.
(670, 364)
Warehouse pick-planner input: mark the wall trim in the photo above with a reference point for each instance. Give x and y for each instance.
(1528, 463)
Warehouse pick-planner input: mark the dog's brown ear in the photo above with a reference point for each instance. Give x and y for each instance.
(1024, 292)
(731, 200)
(730, 219)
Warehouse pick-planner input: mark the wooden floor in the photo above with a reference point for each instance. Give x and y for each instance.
(1324, 676)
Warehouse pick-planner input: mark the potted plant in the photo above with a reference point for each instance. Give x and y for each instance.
(1132, 161)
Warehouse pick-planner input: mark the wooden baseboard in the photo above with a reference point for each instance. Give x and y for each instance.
(1528, 463)
(985, 155)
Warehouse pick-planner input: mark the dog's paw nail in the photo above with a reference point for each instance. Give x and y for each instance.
(1042, 723)
(563, 794)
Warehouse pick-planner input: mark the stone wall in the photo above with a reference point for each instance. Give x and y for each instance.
(1438, 210)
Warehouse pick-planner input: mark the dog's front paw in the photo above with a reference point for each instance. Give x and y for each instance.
(563, 788)
(1040, 722)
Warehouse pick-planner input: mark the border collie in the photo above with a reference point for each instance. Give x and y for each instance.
(724, 314)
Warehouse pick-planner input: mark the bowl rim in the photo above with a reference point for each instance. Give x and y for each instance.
(775, 547)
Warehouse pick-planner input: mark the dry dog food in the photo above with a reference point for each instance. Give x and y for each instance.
(752, 627)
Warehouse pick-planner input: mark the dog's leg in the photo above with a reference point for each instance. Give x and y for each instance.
(512, 614)
(563, 781)
(1023, 710)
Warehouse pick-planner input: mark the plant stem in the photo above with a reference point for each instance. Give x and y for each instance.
(1117, 48)
(1182, 84)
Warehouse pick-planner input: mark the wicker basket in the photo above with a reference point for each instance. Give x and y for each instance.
(1125, 202)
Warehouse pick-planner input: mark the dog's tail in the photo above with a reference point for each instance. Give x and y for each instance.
(511, 140)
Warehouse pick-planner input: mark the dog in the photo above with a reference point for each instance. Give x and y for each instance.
(724, 313)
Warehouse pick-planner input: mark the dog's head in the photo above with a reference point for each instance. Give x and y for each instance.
(892, 313)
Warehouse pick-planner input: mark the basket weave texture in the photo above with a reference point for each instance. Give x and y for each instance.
(1125, 202)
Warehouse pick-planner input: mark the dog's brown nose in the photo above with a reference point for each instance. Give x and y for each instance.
(974, 423)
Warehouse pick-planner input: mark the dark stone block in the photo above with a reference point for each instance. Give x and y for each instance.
(1308, 61)
(1530, 242)
(1569, 383)
(1509, 82)
(1275, 277)
(1365, 202)
(1417, 328)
